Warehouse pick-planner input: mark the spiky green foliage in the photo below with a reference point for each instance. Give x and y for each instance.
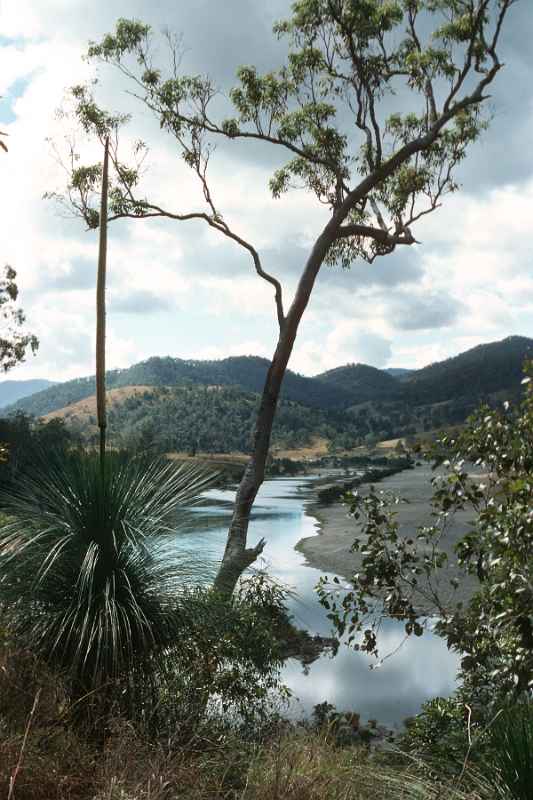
(511, 762)
(88, 576)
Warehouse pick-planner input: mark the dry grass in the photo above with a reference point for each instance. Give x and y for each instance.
(61, 760)
(389, 444)
(307, 766)
(83, 410)
(317, 449)
(41, 756)
(212, 458)
(47, 754)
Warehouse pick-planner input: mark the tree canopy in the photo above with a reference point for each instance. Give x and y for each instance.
(14, 340)
(332, 112)
(330, 108)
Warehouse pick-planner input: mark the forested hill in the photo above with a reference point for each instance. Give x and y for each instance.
(478, 372)
(247, 372)
(192, 418)
(471, 376)
(362, 383)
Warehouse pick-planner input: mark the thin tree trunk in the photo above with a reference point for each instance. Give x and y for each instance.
(237, 557)
(100, 312)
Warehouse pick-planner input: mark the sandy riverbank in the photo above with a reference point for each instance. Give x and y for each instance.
(329, 551)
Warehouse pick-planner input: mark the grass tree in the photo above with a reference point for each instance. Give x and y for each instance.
(328, 111)
(87, 578)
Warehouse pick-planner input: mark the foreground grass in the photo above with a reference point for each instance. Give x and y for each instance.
(47, 754)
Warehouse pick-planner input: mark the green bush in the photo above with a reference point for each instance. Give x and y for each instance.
(438, 734)
(92, 583)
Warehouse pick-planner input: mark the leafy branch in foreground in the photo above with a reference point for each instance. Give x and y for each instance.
(327, 111)
(488, 471)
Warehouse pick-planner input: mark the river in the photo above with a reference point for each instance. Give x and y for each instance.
(417, 670)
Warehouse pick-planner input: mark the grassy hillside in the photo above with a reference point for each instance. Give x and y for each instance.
(192, 418)
(82, 414)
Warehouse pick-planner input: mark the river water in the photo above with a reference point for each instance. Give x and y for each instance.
(421, 668)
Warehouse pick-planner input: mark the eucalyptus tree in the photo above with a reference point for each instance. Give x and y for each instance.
(15, 341)
(327, 110)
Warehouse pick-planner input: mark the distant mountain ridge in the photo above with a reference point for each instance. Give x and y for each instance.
(480, 371)
(12, 391)
(474, 374)
(246, 372)
(362, 382)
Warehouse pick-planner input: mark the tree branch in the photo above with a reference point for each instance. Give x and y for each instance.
(378, 234)
(151, 210)
(416, 145)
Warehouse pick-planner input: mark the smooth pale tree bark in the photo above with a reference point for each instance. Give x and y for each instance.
(237, 557)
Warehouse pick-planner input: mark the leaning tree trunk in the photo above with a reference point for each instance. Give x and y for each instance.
(237, 557)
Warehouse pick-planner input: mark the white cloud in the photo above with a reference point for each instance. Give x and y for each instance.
(348, 342)
(246, 347)
(470, 281)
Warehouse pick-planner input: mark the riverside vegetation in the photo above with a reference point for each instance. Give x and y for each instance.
(199, 719)
(127, 672)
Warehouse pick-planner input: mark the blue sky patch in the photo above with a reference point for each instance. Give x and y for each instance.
(7, 102)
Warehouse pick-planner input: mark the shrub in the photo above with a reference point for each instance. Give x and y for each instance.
(87, 578)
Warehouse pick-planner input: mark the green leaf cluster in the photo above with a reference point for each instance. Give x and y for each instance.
(15, 342)
(323, 106)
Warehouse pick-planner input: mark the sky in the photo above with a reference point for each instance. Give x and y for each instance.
(179, 289)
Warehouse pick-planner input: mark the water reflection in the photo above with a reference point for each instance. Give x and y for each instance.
(420, 669)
